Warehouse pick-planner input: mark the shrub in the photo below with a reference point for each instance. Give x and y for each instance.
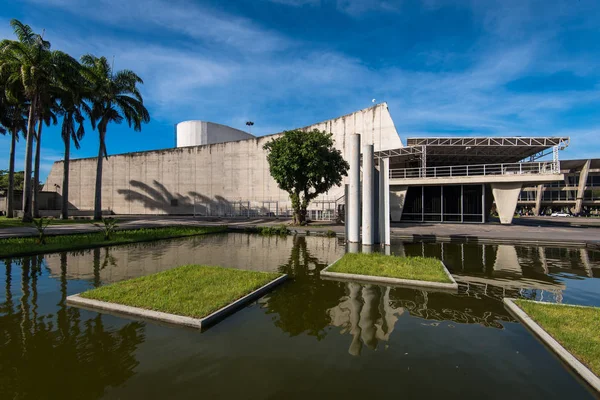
(40, 225)
(280, 230)
(108, 228)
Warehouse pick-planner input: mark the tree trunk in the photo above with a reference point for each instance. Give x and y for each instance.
(65, 183)
(10, 201)
(98, 197)
(36, 171)
(27, 193)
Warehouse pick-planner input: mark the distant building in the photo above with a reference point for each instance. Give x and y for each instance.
(578, 193)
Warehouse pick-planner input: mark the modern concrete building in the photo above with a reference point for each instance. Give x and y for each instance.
(218, 170)
(578, 193)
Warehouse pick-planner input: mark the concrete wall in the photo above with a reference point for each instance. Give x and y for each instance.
(198, 133)
(168, 181)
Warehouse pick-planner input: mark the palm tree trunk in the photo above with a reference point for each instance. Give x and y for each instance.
(28, 158)
(98, 197)
(36, 172)
(65, 183)
(11, 175)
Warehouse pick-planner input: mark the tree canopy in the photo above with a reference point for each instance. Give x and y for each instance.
(306, 165)
(4, 180)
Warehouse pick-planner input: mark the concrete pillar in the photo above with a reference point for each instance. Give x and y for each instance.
(353, 202)
(368, 195)
(583, 175)
(353, 247)
(397, 198)
(376, 202)
(384, 201)
(346, 196)
(506, 195)
(538, 200)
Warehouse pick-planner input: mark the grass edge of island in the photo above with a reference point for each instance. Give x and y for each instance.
(384, 280)
(175, 319)
(40, 249)
(549, 341)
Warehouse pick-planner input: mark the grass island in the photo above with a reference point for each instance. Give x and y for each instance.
(381, 268)
(191, 295)
(574, 327)
(24, 246)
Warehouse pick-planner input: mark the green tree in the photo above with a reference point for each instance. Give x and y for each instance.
(31, 62)
(306, 165)
(72, 109)
(5, 179)
(115, 97)
(12, 121)
(46, 107)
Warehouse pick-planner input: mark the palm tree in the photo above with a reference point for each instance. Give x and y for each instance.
(46, 107)
(27, 60)
(116, 97)
(12, 121)
(30, 61)
(72, 109)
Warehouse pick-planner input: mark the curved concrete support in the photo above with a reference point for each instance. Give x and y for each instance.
(506, 196)
(583, 175)
(368, 209)
(353, 202)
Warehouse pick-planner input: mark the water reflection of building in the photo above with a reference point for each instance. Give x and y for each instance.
(235, 250)
(502, 269)
(369, 313)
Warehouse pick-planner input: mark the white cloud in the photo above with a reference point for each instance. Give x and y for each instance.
(183, 17)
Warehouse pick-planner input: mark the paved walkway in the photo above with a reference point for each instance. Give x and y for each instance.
(526, 231)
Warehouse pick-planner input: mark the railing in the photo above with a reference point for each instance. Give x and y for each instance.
(541, 168)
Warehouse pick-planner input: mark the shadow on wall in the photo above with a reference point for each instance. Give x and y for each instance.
(158, 198)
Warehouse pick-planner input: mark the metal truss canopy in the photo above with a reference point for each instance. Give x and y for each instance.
(474, 150)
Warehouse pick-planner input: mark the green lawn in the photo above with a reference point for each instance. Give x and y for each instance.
(377, 264)
(577, 329)
(192, 290)
(12, 247)
(17, 223)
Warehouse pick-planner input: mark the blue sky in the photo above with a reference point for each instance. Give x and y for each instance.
(479, 67)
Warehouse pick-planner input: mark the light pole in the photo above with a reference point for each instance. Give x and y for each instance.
(249, 125)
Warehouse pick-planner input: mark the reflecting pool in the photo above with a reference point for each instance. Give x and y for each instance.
(309, 338)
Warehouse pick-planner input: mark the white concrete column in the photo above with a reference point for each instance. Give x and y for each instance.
(506, 195)
(384, 201)
(368, 195)
(353, 201)
(376, 201)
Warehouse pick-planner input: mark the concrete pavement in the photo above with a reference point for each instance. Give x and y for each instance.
(528, 231)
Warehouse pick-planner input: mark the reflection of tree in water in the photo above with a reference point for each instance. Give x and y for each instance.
(37, 352)
(301, 306)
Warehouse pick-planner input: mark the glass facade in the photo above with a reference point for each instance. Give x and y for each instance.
(452, 203)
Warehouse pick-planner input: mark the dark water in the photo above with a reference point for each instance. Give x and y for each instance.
(310, 338)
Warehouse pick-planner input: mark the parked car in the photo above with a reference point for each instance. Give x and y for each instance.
(560, 214)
